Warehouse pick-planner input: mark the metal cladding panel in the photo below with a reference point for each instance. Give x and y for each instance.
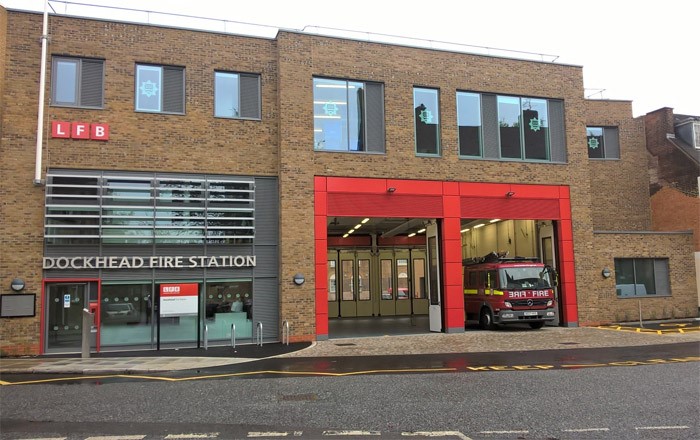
(489, 109)
(91, 83)
(557, 131)
(127, 250)
(385, 205)
(374, 117)
(266, 211)
(179, 274)
(250, 96)
(126, 274)
(266, 306)
(183, 250)
(266, 261)
(473, 207)
(229, 273)
(612, 142)
(72, 251)
(661, 278)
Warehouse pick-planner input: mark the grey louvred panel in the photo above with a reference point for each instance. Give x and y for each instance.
(661, 282)
(489, 108)
(557, 131)
(374, 117)
(91, 83)
(173, 90)
(266, 306)
(612, 142)
(266, 211)
(250, 96)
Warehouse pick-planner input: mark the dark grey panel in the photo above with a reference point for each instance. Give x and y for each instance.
(173, 90)
(183, 250)
(250, 96)
(127, 250)
(179, 274)
(72, 251)
(557, 131)
(266, 261)
(612, 142)
(127, 274)
(489, 110)
(374, 117)
(230, 273)
(266, 306)
(266, 212)
(661, 279)
(91, 83)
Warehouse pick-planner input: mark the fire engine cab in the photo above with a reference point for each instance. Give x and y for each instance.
(502, 290)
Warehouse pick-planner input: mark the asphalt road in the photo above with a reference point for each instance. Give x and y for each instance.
(624, 397)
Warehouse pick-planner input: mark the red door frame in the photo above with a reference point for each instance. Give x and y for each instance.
(94, 308)
(448, 202)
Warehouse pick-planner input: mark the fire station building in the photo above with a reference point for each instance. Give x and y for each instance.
(186, 186)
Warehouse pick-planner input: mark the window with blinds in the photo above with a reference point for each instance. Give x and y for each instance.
(236, 95)
(84, 207)
(77, 82)
(160, 89)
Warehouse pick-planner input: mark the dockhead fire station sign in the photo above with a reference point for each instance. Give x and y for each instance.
(155, 262)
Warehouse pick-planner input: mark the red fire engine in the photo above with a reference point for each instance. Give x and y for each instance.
(501, 290)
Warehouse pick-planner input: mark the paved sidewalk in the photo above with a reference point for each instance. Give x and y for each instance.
(472, 341)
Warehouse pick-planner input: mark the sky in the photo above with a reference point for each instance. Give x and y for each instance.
(644, 52)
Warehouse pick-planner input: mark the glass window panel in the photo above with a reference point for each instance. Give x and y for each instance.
(509, 126)
(149, 88)
(419, 278)
(330, 114)
(535, 128)
(226, 95)
(332, 276)
(387, 277)
(427, 121)
(66, 83)
(348, 271)
(126, 315)
(226, 304)
(402, 279)
(363, 279)
(469, 123)
(355, 113)
(644, 276)
(595, 142)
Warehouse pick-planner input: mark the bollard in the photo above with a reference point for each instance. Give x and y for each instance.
(87, 330)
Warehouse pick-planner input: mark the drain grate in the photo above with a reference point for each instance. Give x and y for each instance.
(568, 343)
(345, 344)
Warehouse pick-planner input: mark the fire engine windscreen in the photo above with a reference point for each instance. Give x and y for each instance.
(525, 278)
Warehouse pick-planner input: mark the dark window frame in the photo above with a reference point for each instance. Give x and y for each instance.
(246, 113)
(417, 116)
(164, 94)
(83, 88)
(609, 145)
(637, 287)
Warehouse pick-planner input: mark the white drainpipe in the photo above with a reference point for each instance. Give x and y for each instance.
(42, 86)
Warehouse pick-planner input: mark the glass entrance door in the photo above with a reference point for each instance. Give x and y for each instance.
(178, 315)
(64, 316)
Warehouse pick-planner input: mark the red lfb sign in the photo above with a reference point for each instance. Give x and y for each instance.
(79, 130)
(187, 289)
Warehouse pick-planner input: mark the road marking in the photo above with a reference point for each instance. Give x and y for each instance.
(504, 432)
(267, 434)
(436, 434)
(193, 435)
(117, 437)
(650, 428)
(587, 430)
(333, 433)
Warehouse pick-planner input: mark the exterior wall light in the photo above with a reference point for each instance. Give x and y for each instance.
(510, 194)
(17, 284)
(390, 189)
(606, 272)
(299, 279)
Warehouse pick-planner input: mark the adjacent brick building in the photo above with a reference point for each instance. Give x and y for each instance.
(189, 180)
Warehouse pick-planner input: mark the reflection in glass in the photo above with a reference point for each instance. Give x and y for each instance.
(427, 121)
(332, 294)
(226, 95)
(387, 277)
(402, 278)
(596, 142)
(348, 270)
(66, 82)
(363, 279)
(229, 303)
(509, 126)
(419, 278)
(126, 315)
(535, 128)
(469, 123)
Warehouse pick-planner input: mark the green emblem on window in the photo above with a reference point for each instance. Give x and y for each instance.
(426, 116)
(149, 88)
(593, 143)
(535, 124)
(331, 108)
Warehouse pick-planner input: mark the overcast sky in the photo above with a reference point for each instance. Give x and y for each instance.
(645, 52)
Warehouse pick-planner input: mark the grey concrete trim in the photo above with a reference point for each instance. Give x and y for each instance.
(571, 324)
(321, 337)
(454, 330)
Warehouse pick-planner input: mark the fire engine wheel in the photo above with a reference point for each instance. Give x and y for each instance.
(536, 325)
(485, 319)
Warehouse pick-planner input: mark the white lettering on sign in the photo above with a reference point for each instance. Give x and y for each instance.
(154, 262)
(529, 293)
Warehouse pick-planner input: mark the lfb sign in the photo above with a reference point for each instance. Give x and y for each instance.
(79, 130)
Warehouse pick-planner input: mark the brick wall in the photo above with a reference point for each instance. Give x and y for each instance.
(600, 304)
(675, 211)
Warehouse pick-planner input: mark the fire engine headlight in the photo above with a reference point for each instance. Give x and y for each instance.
(550, 303)
(508, 304)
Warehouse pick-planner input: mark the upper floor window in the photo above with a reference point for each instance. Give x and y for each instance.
(469, 123)
(602, 142)
(523, 128)
(348, 115)
(77, 82)
(696, 134)
(160, 89)
(641, 276)
(427, 121)
(236, 95)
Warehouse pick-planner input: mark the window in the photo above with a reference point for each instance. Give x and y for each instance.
(160, 89)
(427, 121)
(641, 277)
(236, 95)
(602, 142)
(348, 116)
(696, 134)
(469, 123)
(523, 128)
(77, 82)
